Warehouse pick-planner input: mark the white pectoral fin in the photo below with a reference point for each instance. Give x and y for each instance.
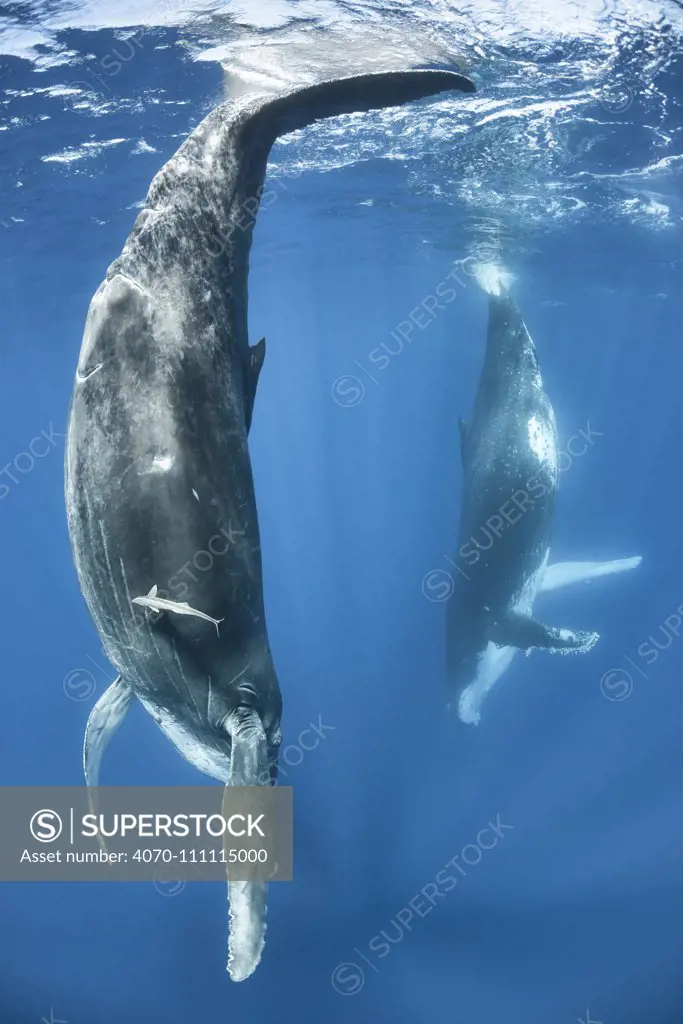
(491, 667)
(563, 573)
(246, 900)
(104, 721)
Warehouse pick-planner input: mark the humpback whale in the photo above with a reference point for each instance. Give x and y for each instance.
(510, 459)
(158, 471)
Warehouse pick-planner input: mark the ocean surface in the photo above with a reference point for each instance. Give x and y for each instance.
(566, 169)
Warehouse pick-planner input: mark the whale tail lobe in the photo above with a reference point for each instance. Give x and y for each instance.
(357, 94)
(274, 116)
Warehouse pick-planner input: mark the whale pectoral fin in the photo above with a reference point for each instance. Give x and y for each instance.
(255, 356)
(249, 749)
(104, 721)
(246, 900)
(491, 667)
(516, 630)
(463, 439)
(563, 573)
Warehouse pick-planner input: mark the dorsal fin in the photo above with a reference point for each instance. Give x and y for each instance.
(463, 439)
(256, 356)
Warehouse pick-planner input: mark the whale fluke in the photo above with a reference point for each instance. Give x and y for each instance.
(357, 94)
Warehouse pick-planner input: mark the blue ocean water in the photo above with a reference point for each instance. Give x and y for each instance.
(565, 168)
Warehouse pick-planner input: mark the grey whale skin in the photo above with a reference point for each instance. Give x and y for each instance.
(510, 462)
(157, 461)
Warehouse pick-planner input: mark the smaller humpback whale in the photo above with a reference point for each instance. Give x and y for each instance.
(158, 471)
(510, 460)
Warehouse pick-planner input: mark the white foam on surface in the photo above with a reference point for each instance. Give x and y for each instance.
(558, 84)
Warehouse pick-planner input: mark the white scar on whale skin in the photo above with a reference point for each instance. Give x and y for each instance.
(160, 604)
(89, 373)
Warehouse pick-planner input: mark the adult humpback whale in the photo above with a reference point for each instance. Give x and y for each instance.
(510, 464)
(157, 465)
